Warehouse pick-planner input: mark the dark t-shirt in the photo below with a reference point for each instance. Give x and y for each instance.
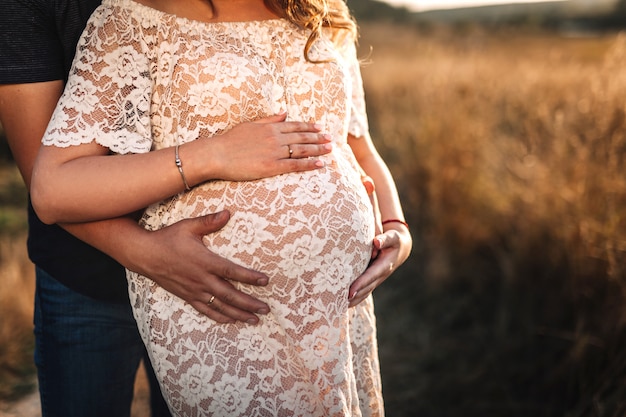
(37, 43)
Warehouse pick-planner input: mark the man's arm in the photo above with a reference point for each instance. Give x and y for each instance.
(173, 257)
(25, 110)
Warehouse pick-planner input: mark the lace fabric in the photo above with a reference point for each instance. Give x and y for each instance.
(145, 80)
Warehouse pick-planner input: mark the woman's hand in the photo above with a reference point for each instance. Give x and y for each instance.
(393, 247)
(265, 148)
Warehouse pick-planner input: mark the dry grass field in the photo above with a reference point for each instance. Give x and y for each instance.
(16, 289)
(509, 150)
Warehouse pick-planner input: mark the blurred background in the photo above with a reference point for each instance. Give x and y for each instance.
(505, 128)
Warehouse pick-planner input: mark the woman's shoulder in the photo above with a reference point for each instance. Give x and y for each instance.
(117, 23)
(116, 10)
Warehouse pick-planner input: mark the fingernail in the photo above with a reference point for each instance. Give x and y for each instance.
(317, 126)
(351, 297)
(328, 146)
(252, 321)
(263, 310)
(261, 281)
(326, 136)
(320, 164)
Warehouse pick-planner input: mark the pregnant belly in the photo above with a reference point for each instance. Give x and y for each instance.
(314, 226)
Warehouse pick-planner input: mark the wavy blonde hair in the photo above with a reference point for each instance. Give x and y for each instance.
(317, 15)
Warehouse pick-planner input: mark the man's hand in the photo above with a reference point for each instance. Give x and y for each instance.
(176, 259)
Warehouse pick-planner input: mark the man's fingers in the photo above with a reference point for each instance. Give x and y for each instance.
(227, 270)
(234, 306)
(228, 310)
(226, 304)
(215, 273)
(217, 265)
(225, 292)
(210, 223)
(205, 309)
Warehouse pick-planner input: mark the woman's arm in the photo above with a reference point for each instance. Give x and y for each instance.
(84, 183)
(394, 244)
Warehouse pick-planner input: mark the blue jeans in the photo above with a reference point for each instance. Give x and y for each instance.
(87, 354)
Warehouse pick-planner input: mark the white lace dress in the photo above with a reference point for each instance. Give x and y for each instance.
(147, 80)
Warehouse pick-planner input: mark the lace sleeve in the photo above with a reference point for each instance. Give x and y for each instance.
(107, 96)
(358, 126)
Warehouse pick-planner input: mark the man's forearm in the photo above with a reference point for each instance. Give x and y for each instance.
(115, 237)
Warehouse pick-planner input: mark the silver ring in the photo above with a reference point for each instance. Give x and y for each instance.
(290, 150)
(211, 300)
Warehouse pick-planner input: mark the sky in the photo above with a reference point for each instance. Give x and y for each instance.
(421, 5)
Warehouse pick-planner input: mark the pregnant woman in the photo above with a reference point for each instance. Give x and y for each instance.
(169, 88)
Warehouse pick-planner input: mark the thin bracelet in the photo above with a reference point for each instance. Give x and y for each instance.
(179, 164)
(384, 222)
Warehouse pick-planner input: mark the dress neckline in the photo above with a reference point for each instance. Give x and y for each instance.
(151, 11)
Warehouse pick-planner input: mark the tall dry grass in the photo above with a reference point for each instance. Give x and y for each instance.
(16, 289)
(16, 301)
(509, 149)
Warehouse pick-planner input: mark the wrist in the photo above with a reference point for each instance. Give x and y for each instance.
(195, 160)
(399, 222)
(134, 247)
(179, 165)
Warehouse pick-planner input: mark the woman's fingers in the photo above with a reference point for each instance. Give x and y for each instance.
(267, 147)
(289, 127)
(394, 247)
(299, 138)
(293, 127)
(306, 150)
(275, 118)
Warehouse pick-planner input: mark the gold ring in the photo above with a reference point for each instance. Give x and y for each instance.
(211, 300)
(290, 150)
